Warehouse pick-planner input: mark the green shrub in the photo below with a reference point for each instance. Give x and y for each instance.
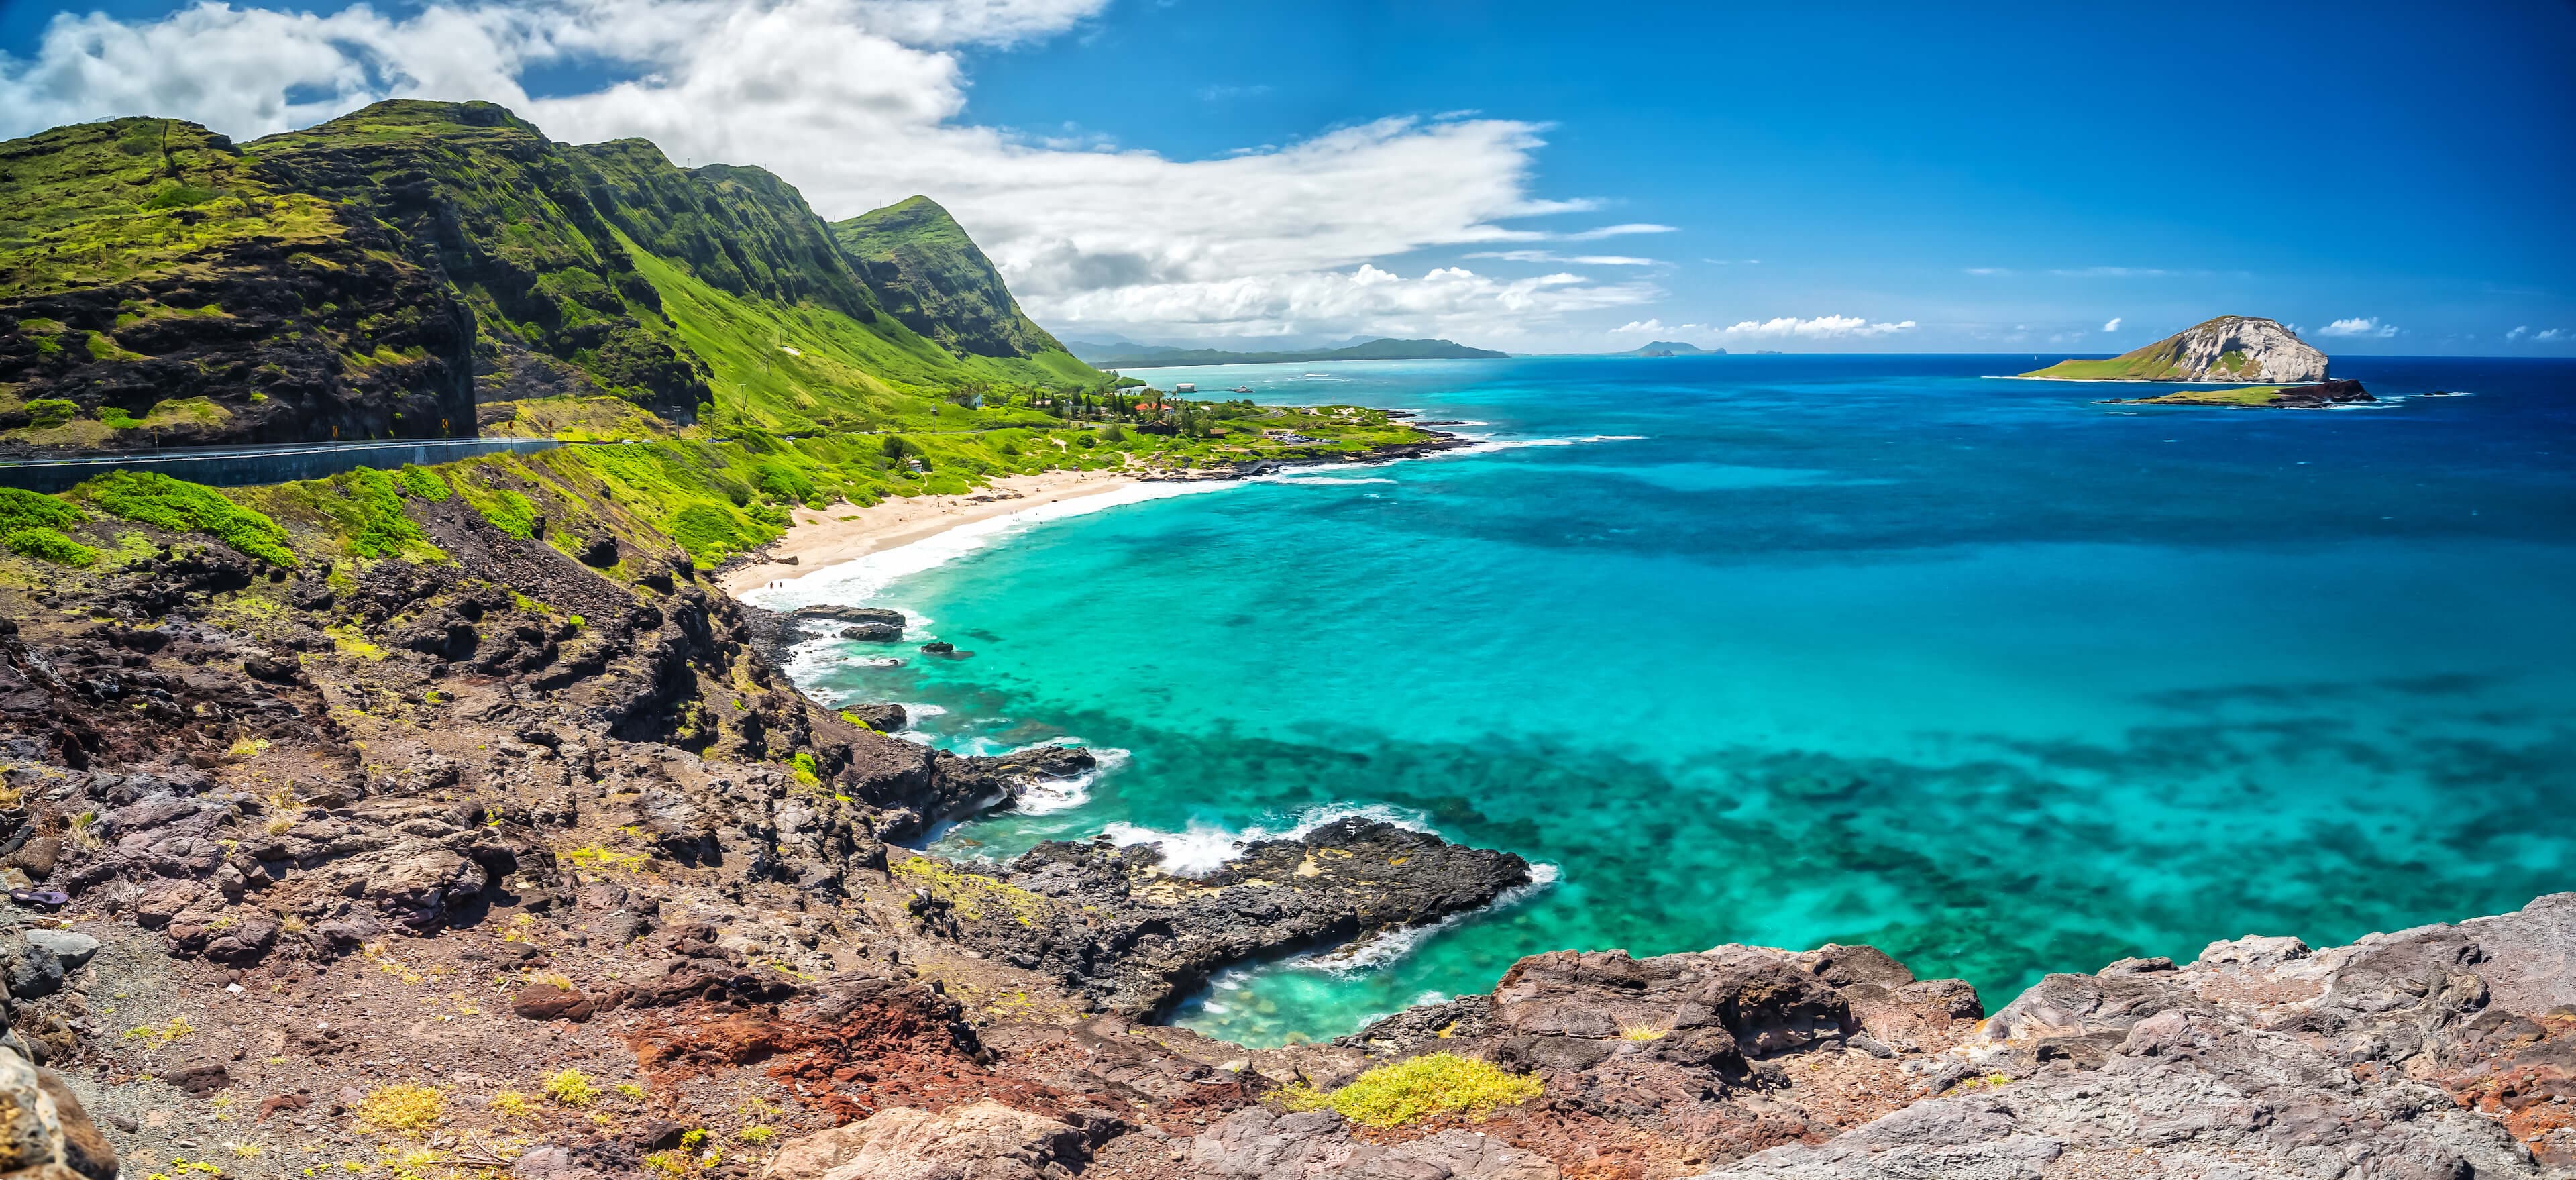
(368, 506)
(182, 507)
(784, 482)
(180, 196)
(30, 510)
(49, 545)
(709, 531)
(1113, 433)
(424, 483)
(51, 411)
(1416, 1087)
(508, 511)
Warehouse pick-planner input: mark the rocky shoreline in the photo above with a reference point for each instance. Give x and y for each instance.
(529, 863)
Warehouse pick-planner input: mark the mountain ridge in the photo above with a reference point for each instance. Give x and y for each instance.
(384, 273)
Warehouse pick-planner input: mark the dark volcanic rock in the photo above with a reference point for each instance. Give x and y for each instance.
(849, 614)
(1262, 1144)
(874, 632)
(2443, 1051)
(1112, 923)
(1685, 1045)
(883, 718)
(2324, 393)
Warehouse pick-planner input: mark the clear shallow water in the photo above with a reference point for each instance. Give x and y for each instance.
(1790, 650)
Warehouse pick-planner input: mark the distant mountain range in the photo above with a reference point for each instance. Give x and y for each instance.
(1672, 348)
(1123, 355)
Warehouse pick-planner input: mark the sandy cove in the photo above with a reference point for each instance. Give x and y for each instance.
(842, 532)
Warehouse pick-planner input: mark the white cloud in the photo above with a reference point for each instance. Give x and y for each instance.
(1987, 270)
(858, 103)
(2516, 334)
(1553, 256)
(2113, 326)
(1823, 327)
(2115, 272)
(2551, 334)
(1614, 231)
(1445, 301)
(2359, 327)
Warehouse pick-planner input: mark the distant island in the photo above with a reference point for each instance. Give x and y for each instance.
(1672, 348)
(1146, 356)
(2229, 348)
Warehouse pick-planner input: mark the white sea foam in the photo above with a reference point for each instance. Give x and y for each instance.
(1203, 847)
(1324, 480)
(1048, 796)
(1369, 954)
(1488, 445)
(862, 578)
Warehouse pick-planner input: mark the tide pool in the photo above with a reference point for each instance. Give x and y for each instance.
(1789, 650)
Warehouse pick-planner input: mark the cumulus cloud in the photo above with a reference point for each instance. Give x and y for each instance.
(2517, 333)
(1653, 327)
(2370, 327)
(2551, 334)
(858, 103)
(1823, 327)
(2113, 326)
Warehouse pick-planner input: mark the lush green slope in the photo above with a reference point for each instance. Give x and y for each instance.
(926, 271)
(157, 288)
(382, 272)
(1150, 356)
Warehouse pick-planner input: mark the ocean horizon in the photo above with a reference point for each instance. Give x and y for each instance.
(1789, 649)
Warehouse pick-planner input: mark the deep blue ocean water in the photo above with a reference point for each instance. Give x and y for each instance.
(1797, 649)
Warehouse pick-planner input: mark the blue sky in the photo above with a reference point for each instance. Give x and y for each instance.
(1867, 177)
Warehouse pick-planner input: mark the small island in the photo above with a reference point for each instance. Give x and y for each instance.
(1671, 348)
(2227, 349)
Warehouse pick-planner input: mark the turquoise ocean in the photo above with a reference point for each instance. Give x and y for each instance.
(1796, 649)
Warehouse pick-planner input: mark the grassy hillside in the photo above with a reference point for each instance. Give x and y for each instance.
(383, 272)
(2160, 361)
(927, 272)
(157, 288)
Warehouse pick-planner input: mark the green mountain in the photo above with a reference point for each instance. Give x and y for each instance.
(1150, 356)
(2228, 348)
(156, 284)
(923, 268)
(380, 274)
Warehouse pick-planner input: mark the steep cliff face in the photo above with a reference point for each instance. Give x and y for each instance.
(157, 287)
(2229, 348)
(382, 273)
(931, 275)
(495, 208)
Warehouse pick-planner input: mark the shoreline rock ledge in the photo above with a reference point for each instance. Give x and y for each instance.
(2440, 1053)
